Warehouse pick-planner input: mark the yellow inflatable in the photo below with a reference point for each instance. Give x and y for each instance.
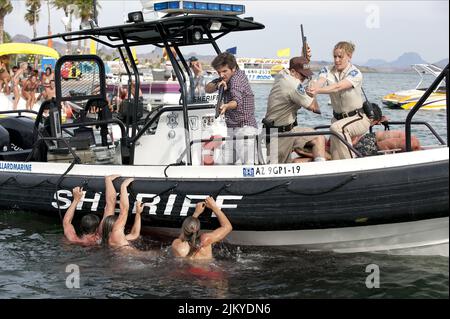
(27, 48)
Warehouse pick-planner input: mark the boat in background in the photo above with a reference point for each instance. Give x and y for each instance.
(406, 99)
(262, 70)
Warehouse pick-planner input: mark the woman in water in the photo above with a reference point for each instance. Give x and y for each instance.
(191, 244)
(113, 227)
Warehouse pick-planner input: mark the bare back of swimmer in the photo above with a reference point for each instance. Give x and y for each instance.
(190, 244)
(113, 232)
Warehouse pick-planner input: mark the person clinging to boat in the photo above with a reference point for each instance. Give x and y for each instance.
(113, 230)
(343, 82)
(238, 107)
(286, 97)
(191, 244)
(91, 226)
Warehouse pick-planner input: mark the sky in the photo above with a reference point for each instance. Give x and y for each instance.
(379, 29)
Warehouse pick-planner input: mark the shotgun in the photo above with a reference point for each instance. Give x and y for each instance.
(304, 44)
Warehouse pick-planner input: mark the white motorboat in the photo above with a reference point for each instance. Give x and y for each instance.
(407, 99)
(262, 70)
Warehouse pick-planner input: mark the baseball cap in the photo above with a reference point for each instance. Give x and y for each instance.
(301, 65)
(192, 59)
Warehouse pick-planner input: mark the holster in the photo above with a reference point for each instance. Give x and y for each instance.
(268, 124)
(368, 109)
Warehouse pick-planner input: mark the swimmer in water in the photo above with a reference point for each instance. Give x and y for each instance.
(90, 224)
(190, 244)
(113, 232)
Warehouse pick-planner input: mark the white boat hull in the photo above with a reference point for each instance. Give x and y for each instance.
(425, 237)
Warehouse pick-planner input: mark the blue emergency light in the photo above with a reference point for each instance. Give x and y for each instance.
(199, 7)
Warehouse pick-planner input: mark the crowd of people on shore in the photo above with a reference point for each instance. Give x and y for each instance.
(26, 82)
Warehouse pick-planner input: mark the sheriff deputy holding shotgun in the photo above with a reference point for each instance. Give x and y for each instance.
(286, 97)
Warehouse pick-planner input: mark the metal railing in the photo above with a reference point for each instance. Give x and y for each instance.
(257, 138)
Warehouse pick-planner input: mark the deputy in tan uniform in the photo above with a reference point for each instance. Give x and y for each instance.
(287, 96)
(343, 83)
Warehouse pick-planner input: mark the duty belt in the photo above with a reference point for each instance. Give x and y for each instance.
(286, 128)
(343, 115)
(281, 129)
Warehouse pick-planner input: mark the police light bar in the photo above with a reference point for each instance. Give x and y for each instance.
(198, 7)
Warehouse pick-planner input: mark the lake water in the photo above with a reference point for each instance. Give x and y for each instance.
(35, 262)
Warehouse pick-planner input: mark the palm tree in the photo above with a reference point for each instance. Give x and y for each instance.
(5, 9)
(50, 42)
(86, 12)
(32, 15)
(67, 7)
(6, 37)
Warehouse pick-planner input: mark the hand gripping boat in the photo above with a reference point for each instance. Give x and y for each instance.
(396, 203)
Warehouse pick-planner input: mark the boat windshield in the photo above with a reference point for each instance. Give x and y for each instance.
(428, 69)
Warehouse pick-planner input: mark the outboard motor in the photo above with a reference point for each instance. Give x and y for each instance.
(20, 131)
(4, 139)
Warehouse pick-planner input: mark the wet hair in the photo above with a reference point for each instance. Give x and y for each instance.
(191, 229)
(89, 224)
(348, 47)
(108, 224)
(224, 59)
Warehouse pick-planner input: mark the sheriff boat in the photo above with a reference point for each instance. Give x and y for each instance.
(396, 203)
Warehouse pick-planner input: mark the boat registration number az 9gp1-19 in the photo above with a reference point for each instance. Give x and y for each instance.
(271, 171)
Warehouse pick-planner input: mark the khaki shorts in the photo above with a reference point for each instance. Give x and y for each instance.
(286, 145)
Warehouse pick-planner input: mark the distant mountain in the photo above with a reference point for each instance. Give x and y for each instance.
(20, 38)
(402, 63)
(407, 59)
(375, 62)
(58, 46)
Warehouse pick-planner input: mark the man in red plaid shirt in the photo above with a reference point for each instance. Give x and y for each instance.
(238, 107)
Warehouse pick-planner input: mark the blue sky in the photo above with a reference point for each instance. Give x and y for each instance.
(380, 29)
